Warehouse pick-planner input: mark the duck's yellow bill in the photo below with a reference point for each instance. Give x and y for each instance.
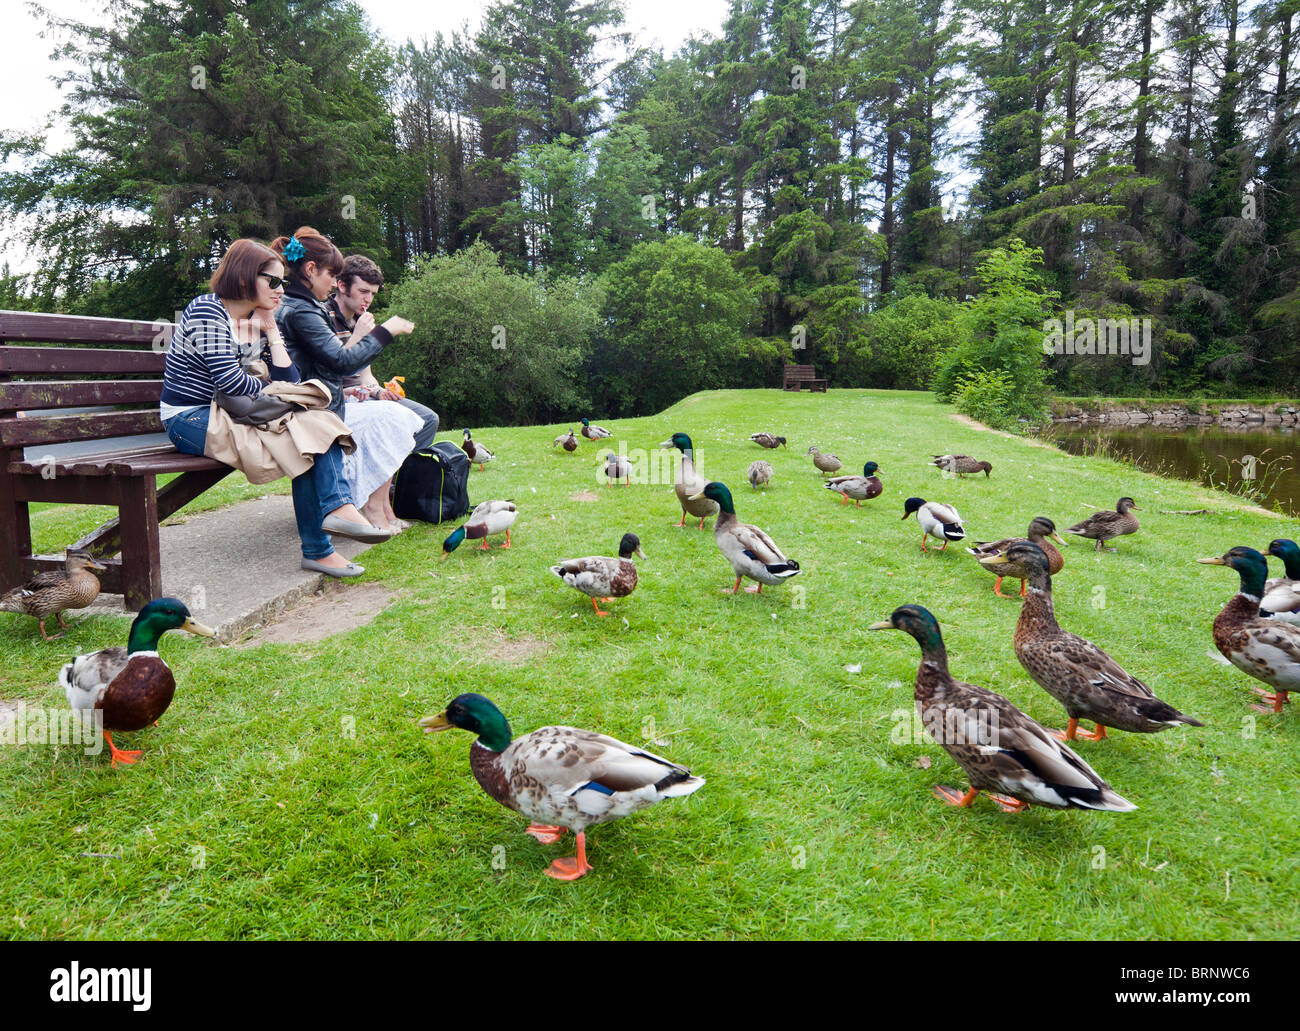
(195, 627)
(994, 559)
(884, 624)
(433, 724)
(1059, 539)
(1211, 561)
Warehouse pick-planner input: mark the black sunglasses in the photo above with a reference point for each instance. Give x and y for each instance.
(275, 281)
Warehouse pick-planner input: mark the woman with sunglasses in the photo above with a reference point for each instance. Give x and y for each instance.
(204, 358)
(384, 430)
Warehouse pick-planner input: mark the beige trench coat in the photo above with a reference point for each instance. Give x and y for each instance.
(286, 446)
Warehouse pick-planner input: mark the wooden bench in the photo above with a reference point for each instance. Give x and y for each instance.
(795, 376)
(119, 363)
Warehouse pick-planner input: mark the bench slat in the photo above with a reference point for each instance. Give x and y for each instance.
(60, 429)
(65, 394)
(38, 327)
(57, 361)
(144, 463)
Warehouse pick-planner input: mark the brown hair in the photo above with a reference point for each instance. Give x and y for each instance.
(358, 266)
(236, 276)
(315, 247)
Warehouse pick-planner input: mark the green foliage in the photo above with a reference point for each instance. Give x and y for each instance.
(492, 346)
(1002, 329)
(899, 343)
(675, 312)
(989, 396)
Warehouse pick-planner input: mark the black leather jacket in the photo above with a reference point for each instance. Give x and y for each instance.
(314, 346)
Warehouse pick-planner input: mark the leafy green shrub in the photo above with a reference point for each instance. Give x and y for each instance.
(897, 347)
(988, 396)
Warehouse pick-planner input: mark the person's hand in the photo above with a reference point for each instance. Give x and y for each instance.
(262, 320)
(387, 395)
(398, 325)
(365, 323)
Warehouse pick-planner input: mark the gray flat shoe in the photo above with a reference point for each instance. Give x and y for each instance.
(364, 532)
(351, 569)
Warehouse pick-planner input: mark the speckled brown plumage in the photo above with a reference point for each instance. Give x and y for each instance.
(1107, 525)
(1264, 648)
(52, 593)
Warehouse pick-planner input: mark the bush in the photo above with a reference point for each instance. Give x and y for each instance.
(987, 396)
(899, 343)
(491, 347)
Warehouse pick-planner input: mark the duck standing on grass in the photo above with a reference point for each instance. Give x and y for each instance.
(617, 467)
(768, 440)
(1001, 749)
(1266, 649)
(750, 551)
(1282, 593)
(130, 686)
(859, 488)
(962, 464)
(594, 432)
(825, 463)
(477, 452)
(689, 482)
(561, 777)
(605, 578)
(1039, 530)
(568, 441)
(487, 519)
(54, 592)
(1088, 682)
(759, 474)
(1106, 525)
(941, 522)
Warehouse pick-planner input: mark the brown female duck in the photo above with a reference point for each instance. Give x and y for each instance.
(1105, 526)
(53, 593)
(1040, 528)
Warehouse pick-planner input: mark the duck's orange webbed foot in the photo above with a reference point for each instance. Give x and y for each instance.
(121, 757)
(573, 867)
(597, 608)
(546, 833)
(1275, 700)
(954, 797)
(1069, 734)
(1008, 805)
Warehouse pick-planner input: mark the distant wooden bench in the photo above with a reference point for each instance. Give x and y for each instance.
(123, 368)
(795, 376)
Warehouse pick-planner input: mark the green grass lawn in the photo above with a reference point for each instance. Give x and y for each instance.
(288, 792)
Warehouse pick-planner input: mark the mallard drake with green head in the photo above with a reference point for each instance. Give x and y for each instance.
(857, 488)
(561, 777)
(1040, 528)
(768, 440)
(689, 482)
(1105, 525)
(1003, 751)
(605, 578)
(961, 465)
(53, 593)
(1282, 593)
(825, 463)
(1088, 682)
(617, 467)
(594, 432)
(1265, 649)
(477, 452)
(487, 520)
(751, 552)
(130, 686)
(942, 522)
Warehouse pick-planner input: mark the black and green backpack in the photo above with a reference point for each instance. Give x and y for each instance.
(432, 484)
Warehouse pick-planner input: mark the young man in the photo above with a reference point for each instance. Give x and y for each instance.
(358, 283)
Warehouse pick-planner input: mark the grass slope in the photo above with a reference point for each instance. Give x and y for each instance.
(288, 793)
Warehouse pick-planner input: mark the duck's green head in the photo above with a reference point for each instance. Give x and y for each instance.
(159, 616)
(1250, 565)
(680, 441)
(476, 714)
(870, 469)
(630, 545)
(453, 542)
(1289, 553)
(586, 422)
(917, 621)
(718, 492)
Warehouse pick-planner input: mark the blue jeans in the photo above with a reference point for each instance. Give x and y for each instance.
(316, 493)
(423, 439)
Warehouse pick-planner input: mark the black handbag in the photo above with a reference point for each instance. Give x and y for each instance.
(255, 409)
(432, 485)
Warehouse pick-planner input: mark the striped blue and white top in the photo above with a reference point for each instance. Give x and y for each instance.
(205, 357)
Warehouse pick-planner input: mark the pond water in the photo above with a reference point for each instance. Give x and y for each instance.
(1266, 461)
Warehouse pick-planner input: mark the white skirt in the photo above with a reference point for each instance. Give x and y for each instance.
(385, 434)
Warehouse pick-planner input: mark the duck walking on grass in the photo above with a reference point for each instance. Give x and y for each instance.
(605, 578)
(1003, 751)
(561, 777)
(1088, 682)
(568, 441)
(689, 482)
(751, 552)
(759, 474)
(1039, 530)
(857, 488)
(476, 452)
(1106, 525)
(130, 686)
(942, 522)
(52, 593)
(962, 464)
(487, 520)
(1265, 649)
(617, 467)
(768, 440)
(825, 463)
